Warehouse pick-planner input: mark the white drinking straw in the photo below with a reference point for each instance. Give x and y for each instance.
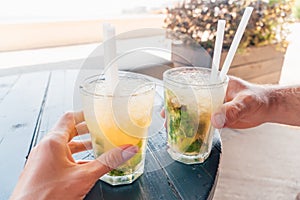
(235, 43)
(217, 50)
(111, 69)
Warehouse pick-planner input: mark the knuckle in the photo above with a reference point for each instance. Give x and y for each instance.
(111, 161)
(107, 167)
(73, 146)
(68, 115)
(51, 142)
(232, 113)
(248, 99)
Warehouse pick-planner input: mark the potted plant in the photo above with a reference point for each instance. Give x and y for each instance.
(261, 51)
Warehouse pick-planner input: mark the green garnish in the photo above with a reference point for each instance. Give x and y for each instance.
(186, 132)
(131, 165)
(116, 172)
(195, 146)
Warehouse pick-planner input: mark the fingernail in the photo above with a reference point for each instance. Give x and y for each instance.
(129, 152)
(219, 120)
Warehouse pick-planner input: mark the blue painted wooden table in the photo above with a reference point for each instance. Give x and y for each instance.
(30, 103)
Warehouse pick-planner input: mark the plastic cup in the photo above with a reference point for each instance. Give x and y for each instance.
(118, 119)
(190, 100)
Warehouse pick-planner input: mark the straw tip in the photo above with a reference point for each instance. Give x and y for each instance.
(249, 9)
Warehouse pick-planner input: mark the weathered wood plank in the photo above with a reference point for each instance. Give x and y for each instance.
(254, 55)
(257, 70)
(154, 70)
(256, 62)
(19, 111)
(6, 85)
(59, 100)
(272, 78)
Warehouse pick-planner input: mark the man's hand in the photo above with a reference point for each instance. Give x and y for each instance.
(52, 173)
(246, 105)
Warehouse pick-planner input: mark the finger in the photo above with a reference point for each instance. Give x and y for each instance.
(235, 111)
(231, 112)
(79, 117)
(162, 113)
(69, 120)
(218, 120)
(66, 125)
(82, 128)
(235, 86)
(79, 146)
(110, 160)
(80, 162)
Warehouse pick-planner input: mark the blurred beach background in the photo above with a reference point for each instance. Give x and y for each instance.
(38, 24)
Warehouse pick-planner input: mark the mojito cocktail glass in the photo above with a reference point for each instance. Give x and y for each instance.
(190, 99)
(119, 118)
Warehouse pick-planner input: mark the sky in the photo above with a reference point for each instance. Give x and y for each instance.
(71, 9)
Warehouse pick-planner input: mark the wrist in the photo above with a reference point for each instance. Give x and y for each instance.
(283, 104)
(274, 100)
(264, 94)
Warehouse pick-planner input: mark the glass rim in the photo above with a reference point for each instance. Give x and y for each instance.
(166, 77)
(93, 78)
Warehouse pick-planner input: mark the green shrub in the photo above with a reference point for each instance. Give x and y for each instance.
(297, 9)
(197, 19)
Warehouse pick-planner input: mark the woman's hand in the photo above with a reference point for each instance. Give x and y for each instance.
(52, 173)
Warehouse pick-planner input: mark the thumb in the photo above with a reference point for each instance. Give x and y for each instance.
(218, 119)
(229, 113)
(111, 160)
